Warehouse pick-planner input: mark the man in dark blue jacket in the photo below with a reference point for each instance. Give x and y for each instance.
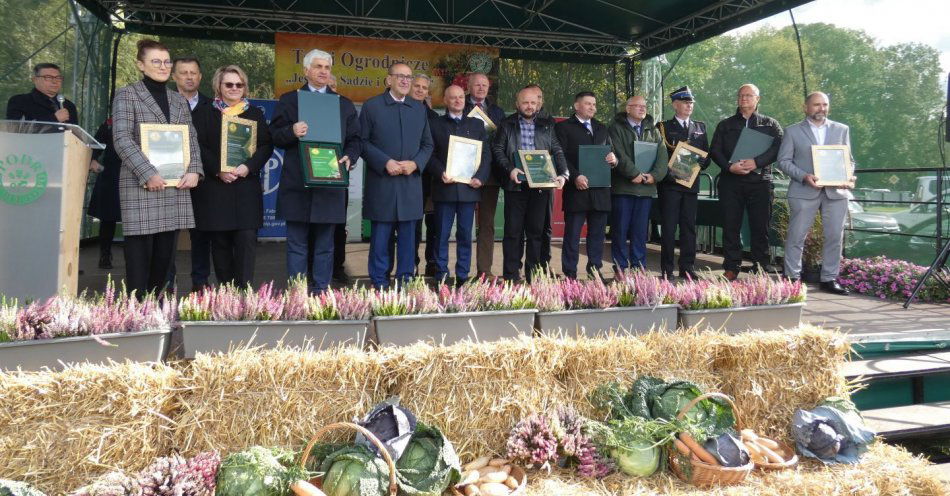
(311, 212)
(456, 200)
(45, 103)
(397, 145)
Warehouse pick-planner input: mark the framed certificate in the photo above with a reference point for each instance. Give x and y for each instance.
(464, 157)
(478, 113)
(538, 168)
(238, 141)
(321, 166)
(832, 165)
(167, 148)
(684, 163)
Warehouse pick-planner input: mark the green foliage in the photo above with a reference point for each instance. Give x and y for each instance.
(429, 464)
(354, 471)
(258, 471)
(14, 488)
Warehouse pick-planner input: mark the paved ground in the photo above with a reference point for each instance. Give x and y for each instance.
(860, 316)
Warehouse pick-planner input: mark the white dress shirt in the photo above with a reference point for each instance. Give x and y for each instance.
(819, 131)
(318, 90)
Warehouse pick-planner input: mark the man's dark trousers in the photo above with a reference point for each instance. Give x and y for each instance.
(735, 198)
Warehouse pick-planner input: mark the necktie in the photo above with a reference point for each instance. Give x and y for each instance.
(637, 130)
(590, 130)
(458, 120)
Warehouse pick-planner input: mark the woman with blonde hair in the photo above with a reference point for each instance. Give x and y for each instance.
(229, 204)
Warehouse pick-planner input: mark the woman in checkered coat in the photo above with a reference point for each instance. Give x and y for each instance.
(152, 214)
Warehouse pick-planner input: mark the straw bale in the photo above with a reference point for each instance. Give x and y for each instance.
(475, 392)
(885, 470)
(771, 374)
(588, 363)
(58, 429)
(277, 397)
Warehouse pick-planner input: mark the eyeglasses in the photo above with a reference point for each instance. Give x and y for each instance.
(50, 79)
(402, 77)
(233, 85)
(159, 63)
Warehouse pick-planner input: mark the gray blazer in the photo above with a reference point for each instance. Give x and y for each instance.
(794, 158)
(143, 211)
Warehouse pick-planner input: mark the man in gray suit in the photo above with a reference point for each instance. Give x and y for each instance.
(806, 198)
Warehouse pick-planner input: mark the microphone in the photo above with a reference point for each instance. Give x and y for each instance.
(60, 99)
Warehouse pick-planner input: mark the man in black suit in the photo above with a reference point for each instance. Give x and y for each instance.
(455, 201)
(677, 202)
(478, 86)
(186, 71)
(44, 103)
(583, 203)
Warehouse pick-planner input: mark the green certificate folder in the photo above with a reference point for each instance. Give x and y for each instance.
(321, 112)
(238, 141)
(538, 168)
(593, 165)
(321, 166)
(644, 155)
(751, 144)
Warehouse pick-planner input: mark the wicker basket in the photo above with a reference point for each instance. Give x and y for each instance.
(393, 485)
(516, 472)
(699, 473)
(787, 453)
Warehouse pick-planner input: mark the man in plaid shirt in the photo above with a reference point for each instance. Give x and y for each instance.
(525, 208)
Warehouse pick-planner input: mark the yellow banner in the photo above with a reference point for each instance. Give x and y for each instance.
(361, 64)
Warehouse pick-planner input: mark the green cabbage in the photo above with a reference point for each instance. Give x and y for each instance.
(429, 464)
(258, 471)
(634, 442)
(354, 471)
(14, 488)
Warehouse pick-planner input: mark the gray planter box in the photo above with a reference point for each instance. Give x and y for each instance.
(733, 320)
(453, 327)
(142, 346)
(598, 322)
(210, 337)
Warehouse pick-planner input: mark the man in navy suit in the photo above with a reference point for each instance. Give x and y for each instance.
(396, 145)
(455, 201)
(311, 212)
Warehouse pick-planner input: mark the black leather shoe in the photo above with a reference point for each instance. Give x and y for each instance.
(689, 275)
(341, 277)
(834, 287)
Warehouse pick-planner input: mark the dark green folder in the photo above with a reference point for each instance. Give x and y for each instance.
(644, 155)
(751, 144)
(321, 112)
(591, 162)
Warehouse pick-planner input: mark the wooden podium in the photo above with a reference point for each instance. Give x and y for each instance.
(43, 171)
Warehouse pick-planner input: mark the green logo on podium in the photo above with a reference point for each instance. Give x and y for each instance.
(22, 179)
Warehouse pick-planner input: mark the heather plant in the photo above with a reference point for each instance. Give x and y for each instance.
(8, 310)
(226, 303)
(532, 442)
(560, 437)
(263, 304)
(500, 295)
(461, 299)
(410, 299)
(889, 279)
(591, 294)
(353, 303)
(297, 300)
(546, 291)
(196, 306)
(637, 288)
(762, 289)
(703, 295)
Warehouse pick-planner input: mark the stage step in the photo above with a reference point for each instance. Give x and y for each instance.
(910, 421)
(916, 364)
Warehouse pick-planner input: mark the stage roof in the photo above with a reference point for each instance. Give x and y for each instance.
(591, 31)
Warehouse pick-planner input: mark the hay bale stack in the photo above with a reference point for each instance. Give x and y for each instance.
(475, 392)
(885, 470)
(588, 363)
(59, 429)
(771, 374)
(277, 397)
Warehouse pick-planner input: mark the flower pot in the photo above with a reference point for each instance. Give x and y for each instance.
(141, 346)
(453, 327)
(734, 320)
(210, 337)
(598, 322)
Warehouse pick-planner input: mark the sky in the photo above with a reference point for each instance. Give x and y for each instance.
(888, 21)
